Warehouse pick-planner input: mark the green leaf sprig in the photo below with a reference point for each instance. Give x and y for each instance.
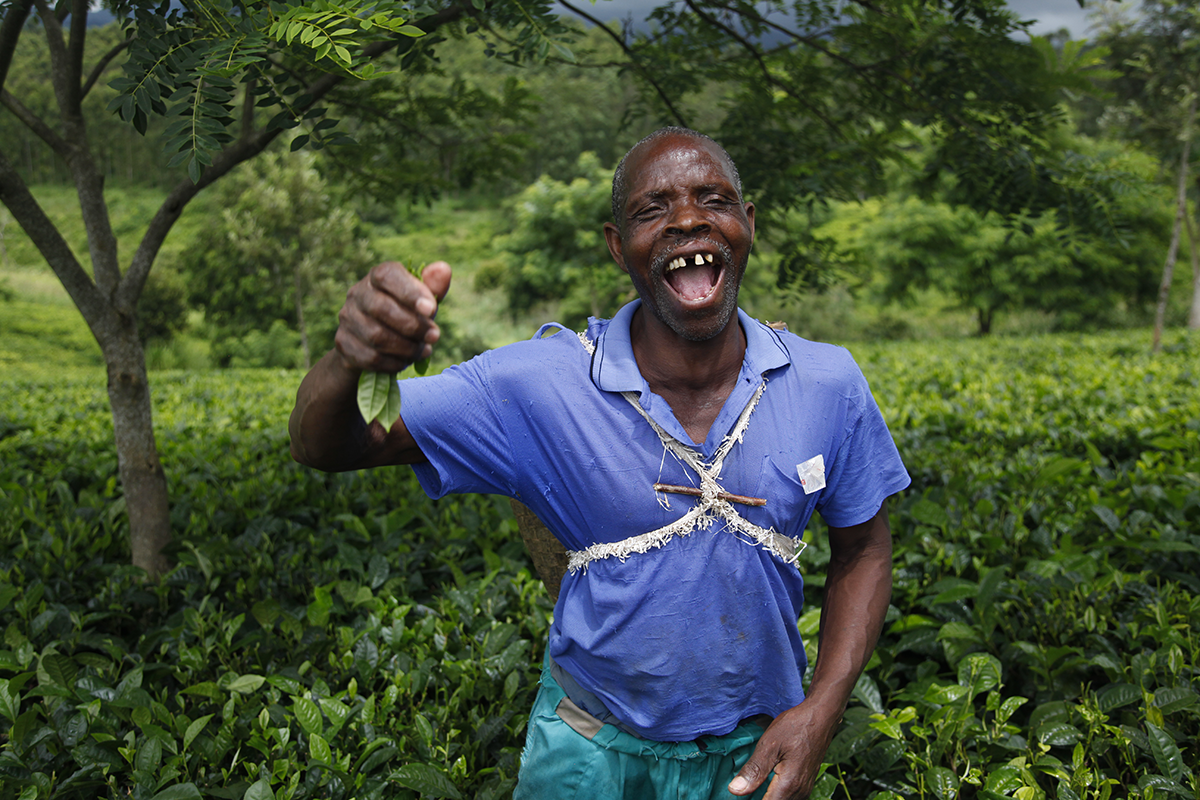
(379, 394)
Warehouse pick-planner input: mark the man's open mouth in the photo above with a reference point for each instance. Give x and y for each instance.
(693, 277)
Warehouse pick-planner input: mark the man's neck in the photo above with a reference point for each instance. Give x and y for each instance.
(694, 378)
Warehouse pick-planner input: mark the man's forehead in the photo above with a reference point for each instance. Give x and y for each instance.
(675, 158)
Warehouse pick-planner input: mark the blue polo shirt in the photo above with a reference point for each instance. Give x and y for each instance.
(693, 636)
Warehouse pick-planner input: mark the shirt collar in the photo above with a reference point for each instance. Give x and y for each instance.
(614, 369)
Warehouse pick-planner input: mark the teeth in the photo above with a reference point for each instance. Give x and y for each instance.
(682, 261)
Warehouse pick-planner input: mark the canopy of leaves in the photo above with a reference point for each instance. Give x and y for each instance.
(817, 94)
(990, 262)
(1154, 66)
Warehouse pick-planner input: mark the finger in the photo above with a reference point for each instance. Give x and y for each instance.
(437, 277)
(366, 342)
(786, 786)
(753, 773)
(379, 317)
(393, 279)
(360, 355)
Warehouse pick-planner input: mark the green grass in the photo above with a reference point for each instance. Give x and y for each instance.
(39, 338)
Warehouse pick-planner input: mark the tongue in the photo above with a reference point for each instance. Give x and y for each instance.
(693, 282)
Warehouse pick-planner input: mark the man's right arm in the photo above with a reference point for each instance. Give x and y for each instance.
(385, 325)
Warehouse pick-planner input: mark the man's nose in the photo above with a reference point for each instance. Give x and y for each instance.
(686, 220)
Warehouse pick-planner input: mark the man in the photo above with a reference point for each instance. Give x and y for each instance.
(677, 451)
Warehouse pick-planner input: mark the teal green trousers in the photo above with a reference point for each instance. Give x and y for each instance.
(570, 755)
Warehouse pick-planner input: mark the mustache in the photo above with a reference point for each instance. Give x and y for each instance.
(659, 263)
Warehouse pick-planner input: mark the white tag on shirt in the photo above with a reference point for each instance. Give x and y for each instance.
(812, 473)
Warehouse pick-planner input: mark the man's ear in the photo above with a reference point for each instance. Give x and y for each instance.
(612, 236)
(750, 216)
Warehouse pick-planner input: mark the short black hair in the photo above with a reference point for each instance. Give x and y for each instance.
(620, 189)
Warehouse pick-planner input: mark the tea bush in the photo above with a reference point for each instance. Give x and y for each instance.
(341, 636)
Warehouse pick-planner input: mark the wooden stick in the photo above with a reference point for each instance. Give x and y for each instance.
(726, 496)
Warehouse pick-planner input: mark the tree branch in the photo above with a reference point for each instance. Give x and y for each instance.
(10, 32)
(241, 150)
(98, 70)
(35, 124)
(79, 16)
(15, 195)
(637, 65)
(248, 110)
(59, 77)
(762, 66)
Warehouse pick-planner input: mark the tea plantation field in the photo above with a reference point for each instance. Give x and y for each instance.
(344, 637)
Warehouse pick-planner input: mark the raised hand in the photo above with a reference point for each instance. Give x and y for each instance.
(387, 322)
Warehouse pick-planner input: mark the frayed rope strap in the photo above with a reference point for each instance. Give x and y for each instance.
(710, 506)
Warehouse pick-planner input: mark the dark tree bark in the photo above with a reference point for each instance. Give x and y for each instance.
(1164, 288)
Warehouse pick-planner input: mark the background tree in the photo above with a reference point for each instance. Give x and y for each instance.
(1155, 88)
(990, 263)
(819, 94)
(208, 69)
(556, 247)
(284, 249)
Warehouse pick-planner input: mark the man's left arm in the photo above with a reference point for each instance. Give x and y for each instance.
(858, 587)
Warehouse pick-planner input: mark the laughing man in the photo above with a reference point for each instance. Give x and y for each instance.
(677, 451)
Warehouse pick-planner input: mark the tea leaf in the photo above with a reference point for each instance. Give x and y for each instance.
(180, 791)
(930, 513)
(1157, 782)
(375, 394)
(1004, 780)
(194, 730)
(1116, 695)
(259, 790)
(1107, 516)
(308, 715)
(246, 683)
(979, 671)
(10, 701)
(867, 693)
(943, 782)
(1166, 753)
(427, 780)
(337, 713)
(1059, 734)
(1175, 698)
(318, 749)
(60, 668)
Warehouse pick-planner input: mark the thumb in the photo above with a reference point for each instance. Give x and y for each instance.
(436, 276)
(752, 774)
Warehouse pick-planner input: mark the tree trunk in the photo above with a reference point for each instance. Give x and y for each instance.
(142, 476)
(984, 315)
(1164, 288)
(1194, 315)
(300, 319)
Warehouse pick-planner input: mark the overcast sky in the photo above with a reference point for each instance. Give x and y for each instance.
(1050, 14)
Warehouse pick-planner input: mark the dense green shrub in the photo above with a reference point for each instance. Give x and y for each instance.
(342, 636)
